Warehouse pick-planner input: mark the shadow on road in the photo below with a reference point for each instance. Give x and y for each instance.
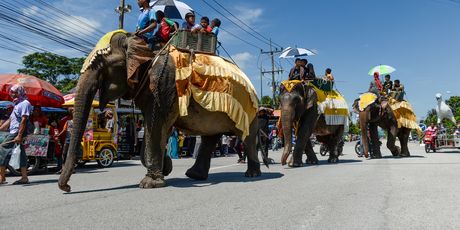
(221, 177)
(399, 158)
(40, 182)
(105, 189)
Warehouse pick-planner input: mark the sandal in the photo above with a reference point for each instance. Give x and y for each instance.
(19, 182)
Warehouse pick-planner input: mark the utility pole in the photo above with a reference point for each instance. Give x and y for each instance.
(273, 71)
(121, 10)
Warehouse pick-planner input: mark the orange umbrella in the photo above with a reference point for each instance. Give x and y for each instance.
(39, 92)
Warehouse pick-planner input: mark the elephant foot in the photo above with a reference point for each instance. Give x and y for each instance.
(196, 174)
(404, 155)
(396, 151)
(150, 181)
(167, 165)
(65, 187)
(312, 160)
(333, 160)
(295, 164)
(284, 159)
(253, 172)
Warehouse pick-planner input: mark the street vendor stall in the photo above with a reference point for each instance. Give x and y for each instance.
(99, 143)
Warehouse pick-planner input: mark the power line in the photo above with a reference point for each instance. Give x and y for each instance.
(71, 16)
(244, 23)
(267, 43)
(47, 34)
(233, 35)
(47, 24)
(1, 59)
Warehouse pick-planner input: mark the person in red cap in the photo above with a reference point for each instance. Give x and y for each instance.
(376, 86)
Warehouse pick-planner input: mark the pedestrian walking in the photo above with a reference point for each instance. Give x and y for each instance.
(67, 130)
(17, 126)
(225, 144)
(173, 145)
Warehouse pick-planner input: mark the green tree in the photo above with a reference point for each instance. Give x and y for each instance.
(454, 103)
(354, 128)
(266, 101)
(57, 70)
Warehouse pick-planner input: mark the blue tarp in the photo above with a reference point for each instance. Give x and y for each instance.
(53, 110)
(4, 104)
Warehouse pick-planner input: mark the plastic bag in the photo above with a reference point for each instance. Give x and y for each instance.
(15, 157)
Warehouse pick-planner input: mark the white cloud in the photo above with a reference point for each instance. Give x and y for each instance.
(74, 25)
(247, 15)
(242, 59)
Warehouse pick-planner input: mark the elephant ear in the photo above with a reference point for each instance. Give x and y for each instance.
(102, 48)
(311, 97)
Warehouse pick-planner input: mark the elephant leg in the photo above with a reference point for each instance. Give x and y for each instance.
(251, 151)
(391, 142)
(375, 141)
(156, 134)
(332, 146)
(403, 137)
(306, 127)
(308, 150)
(200, 170)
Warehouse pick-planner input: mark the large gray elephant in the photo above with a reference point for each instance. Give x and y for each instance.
(379, 113)
(299, 107)
(158, 101)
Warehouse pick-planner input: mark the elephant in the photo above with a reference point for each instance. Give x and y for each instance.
(299, 106)
(379, 114)
(158, 101)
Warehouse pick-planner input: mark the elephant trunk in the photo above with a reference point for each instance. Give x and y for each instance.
(287, 119)
(86, 89)
(364, 137)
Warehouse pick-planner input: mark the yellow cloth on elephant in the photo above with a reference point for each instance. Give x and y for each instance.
(217, 85)
(333, 105)
(365, 100)
(289, 84)
(404, 114)
(102, 47)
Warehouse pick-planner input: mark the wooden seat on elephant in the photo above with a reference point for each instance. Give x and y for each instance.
(185, 40)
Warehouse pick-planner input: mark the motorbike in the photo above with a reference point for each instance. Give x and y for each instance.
(359, 148)
(430, 144)
(323, 149)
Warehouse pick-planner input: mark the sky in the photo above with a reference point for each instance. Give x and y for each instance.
(420, 38)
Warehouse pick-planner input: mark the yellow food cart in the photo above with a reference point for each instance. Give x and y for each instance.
(98, 143)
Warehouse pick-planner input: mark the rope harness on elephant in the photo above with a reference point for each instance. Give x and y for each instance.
(144, 77)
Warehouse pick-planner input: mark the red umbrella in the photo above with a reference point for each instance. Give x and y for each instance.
(39, 92)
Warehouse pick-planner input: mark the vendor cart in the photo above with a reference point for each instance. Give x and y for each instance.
(99, 143)
(443, 140)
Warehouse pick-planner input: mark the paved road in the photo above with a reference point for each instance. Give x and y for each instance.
(421, 192)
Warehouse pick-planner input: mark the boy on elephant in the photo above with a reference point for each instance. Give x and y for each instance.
(298, 71)
(398, 91)
(140, 47)
(146, 23)
(309, 70)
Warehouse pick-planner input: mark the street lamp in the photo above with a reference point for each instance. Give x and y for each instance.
(121, 10)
